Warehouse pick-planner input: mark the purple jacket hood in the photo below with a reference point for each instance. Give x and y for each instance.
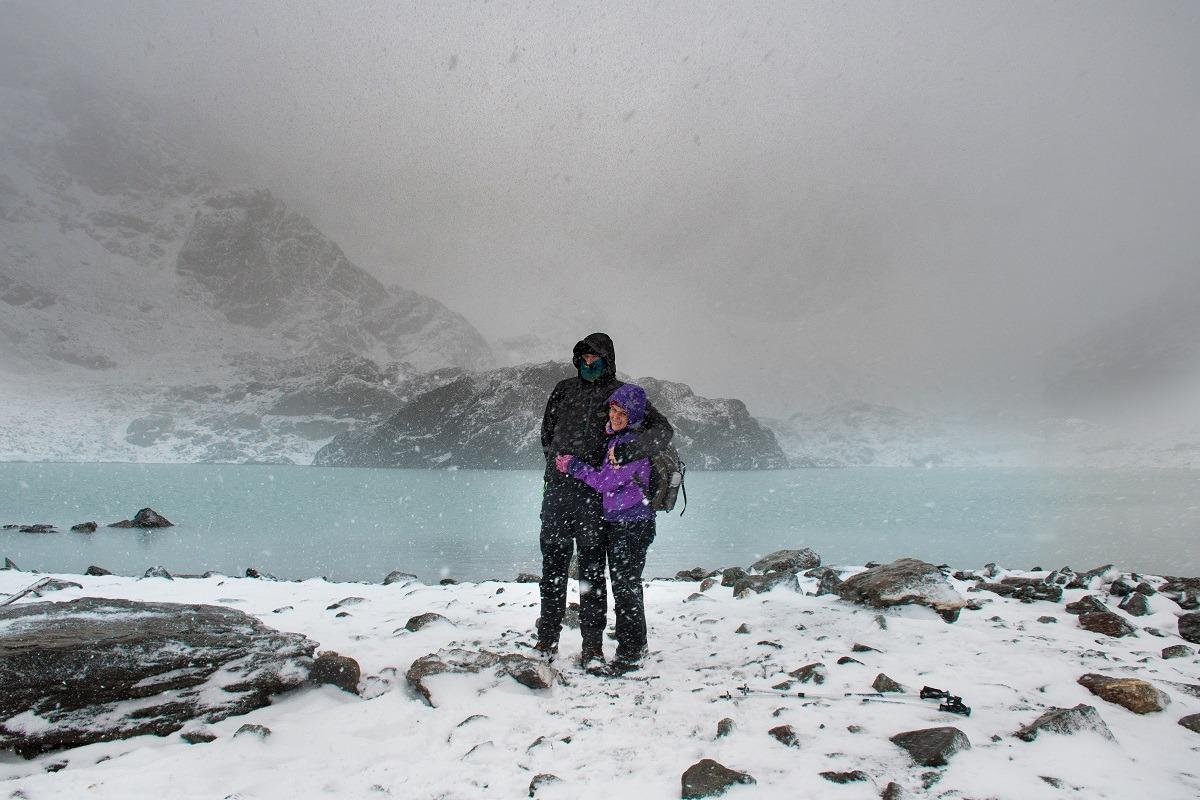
(632, 398)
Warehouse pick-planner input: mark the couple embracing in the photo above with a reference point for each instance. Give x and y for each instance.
(598, 435)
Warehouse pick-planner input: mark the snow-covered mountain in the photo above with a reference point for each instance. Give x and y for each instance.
(493, 420)
(121, 254)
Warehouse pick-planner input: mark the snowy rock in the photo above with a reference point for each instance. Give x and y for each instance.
(1065, 721)
(758, 584)
(1120, 588)
(785, 735)
(1189, 627)
(810, 673)
(55, 585)
(1094, 577)
(259, 731)
(1086, 605)
(9, 565)
(883, 683)
(731, 575)
(1028, 589)
(787, 561)
(1191, 722)
(527, 671)
(335, 670)
(854, 776)
(932, 747)
(421, 621)
(743, 628)
(694, 574)
(198, 736)
(829, 582)
(725, 727)
(528, 577)
(1178, 651)
(1138, 696)
(84, 527)
(907, 580)
(95, 571)
(344, 602)
(542, 780)
(892, 791)
(708, 778)
(81, 672)
(251, 572)
(1107, 623)
(396, 576)
(1136, 604)
(157, 572)
(1184, 591)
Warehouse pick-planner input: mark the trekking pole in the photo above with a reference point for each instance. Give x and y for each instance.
(953, 704)
(33, 588)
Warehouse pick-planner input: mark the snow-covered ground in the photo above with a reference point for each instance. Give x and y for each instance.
(489, 736)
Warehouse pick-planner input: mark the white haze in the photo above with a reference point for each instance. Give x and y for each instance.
(916, 204)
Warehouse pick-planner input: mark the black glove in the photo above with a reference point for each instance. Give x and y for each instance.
(623, 453)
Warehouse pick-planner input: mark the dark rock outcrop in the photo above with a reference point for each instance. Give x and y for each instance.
(785, 735)
(39, 528)
(883, 683)
(95, 571)
(1178, 651)
(708, 778)
(932, 747)
(421, 621)
(145, 518)
(1189, 627)
(907, 580)
(87, 668)
(1065, 721)
(853, 776)
(396, 576)
(1138, 696)
(1107, 623)
(1191, 722)
(1086, 605)
(482, 420)
(84, 527)
(1135, 604)
(542, 780)
(787, 561)
(329, 668)
(725, 727)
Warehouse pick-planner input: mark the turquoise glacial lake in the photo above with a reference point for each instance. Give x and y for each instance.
(359, 524)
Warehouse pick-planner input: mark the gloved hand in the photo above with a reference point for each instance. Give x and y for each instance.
(562, 461)
(621, 454)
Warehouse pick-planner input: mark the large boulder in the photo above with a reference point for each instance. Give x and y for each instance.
(1138, 696)
(932, 747)
(145, 518)
(787, 561)
(1189, 627)
(708, 778)
(94, 670)
(1107, 623)
(1066, 721)
(908, 580)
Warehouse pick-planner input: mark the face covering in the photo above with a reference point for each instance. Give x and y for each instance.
(593, 371)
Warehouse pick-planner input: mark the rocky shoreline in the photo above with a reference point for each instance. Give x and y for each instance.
(896, 680)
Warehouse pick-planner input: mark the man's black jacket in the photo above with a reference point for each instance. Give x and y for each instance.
(578, 410)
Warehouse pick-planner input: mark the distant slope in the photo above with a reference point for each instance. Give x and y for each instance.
(120, 253)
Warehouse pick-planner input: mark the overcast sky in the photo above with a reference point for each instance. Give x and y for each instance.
(785, 202)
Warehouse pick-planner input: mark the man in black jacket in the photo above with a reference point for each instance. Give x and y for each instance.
(574, 422)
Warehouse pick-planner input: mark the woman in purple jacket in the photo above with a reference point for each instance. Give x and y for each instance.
(629, 521)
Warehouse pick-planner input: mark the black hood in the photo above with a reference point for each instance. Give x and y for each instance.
(601, 345)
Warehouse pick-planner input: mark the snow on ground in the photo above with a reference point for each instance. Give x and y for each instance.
(634, 737)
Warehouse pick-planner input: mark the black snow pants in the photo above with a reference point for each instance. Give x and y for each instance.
(571, 516)
(627, 546)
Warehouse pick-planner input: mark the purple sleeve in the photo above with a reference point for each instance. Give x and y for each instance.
(610, 478)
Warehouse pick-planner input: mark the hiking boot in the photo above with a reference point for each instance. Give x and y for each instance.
(546, 651)
(592, 656)
(624, 662)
